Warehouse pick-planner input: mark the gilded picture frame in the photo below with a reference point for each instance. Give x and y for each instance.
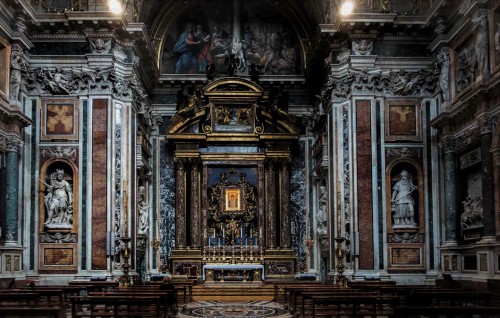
(232, 199)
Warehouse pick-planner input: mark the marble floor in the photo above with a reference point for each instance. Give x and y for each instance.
(247, 309)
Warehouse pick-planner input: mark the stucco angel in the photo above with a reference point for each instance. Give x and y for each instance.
(100, 46)
(362, 47)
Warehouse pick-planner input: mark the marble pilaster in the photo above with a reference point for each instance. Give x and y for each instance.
(270, 204)
(195, 205)
(12, 196)
(284, 177)
(450, 193)
(487, 179)
(180, 204)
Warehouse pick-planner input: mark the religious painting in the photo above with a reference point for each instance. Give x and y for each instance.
(233, 199)
(59, 119)
(402, 121)
(228, 35)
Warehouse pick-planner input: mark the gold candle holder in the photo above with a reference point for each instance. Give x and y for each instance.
(124, 280)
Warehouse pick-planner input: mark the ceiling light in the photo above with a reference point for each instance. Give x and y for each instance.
(346, 7)
(115, 6)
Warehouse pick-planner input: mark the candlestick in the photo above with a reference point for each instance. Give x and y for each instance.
(339, 223)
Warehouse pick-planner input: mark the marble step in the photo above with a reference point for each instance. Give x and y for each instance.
(233, 291)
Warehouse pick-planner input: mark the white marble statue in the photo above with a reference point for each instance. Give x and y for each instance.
(142, 228)
(322, 215)
(402, 201)
(59, 201)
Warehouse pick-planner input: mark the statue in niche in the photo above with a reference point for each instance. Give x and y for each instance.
(59, 201)
(322, 214)
(473, 213)
(402, 203)
(480, 26)
(143, 212)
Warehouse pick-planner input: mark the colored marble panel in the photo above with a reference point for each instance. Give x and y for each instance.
(58, 256)
(364, 167)
(60, 119)
(402, 120)
(99, 180)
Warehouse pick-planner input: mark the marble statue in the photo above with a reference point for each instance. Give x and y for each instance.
(100, 47)
(59, 201)
(402, 202)
(142, 227)
(322, 214)
(444, 75)
(362, 47)
(497, 38)
(17, 67)
(480, 26)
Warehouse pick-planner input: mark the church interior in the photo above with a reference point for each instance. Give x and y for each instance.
(250, 143)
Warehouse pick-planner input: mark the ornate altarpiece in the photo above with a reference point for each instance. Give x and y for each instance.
(232, 144)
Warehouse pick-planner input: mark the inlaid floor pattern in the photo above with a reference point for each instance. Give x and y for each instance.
(245, 309)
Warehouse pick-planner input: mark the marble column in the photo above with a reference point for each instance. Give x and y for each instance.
(449, 188)
(12, 165)
(487, 178)
(180, 204)
(284, 179)
(195, 205)
(270, 196)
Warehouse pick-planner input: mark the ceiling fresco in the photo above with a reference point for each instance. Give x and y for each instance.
(211, 32)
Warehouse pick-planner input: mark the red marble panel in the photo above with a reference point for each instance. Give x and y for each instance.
(99, 181)
(364, 167)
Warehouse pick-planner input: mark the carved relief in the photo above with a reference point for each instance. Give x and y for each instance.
(363, 47)
(472, 217)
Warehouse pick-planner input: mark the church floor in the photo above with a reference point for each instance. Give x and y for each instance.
(247, 309)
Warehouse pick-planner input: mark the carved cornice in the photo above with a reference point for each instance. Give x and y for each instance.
(405, 238)
(12, 143)
(404, 152)
(415, 83)
(58, 238)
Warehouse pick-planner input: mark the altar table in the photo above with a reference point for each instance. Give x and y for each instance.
(223, 267)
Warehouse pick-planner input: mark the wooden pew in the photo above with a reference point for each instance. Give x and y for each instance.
(18, 311)
(280, 288)
(115, 306)
(447, 311)
(353, 306)
(306, 305)
(143, 292)
(449, 298)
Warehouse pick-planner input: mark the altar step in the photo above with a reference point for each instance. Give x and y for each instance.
(233, 291)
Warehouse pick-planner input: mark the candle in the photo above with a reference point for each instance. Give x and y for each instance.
(241, 235)
(209, 242)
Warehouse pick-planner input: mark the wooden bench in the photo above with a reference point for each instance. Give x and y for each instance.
(115, 306)
(447, 311)
(280, 287)
(20, 311)
(447, 297)
(306, 297)
(353, 306)
(144, 292)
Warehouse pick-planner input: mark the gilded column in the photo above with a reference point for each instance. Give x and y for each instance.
(12, 165)
(270, 232)
(450, 193)
(284, 180)
(487, 177)
(195, 204)
(180, 204)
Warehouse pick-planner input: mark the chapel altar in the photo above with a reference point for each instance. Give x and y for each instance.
(233, 144)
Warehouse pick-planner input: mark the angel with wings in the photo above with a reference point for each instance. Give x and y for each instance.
(362, 47)
(100, 47)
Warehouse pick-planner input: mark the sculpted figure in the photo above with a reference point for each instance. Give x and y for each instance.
(17, 67)
(321, 217)
(362, 47)
(444, 75)
(480, 26)
(59, 200)
(143, 212)
(497, 38)
(403, 205)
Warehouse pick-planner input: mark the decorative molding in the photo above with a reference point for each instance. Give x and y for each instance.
(405, 238)
(58, 238)
(404, 152)
(58, 152)
(470, 158)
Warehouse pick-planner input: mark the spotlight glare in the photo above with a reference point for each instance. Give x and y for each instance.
(115, 6)
(346, 8)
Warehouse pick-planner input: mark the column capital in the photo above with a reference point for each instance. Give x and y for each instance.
(13, 143)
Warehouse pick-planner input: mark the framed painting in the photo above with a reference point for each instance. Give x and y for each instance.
(403, 121)
(59, 119)
(233, 199)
